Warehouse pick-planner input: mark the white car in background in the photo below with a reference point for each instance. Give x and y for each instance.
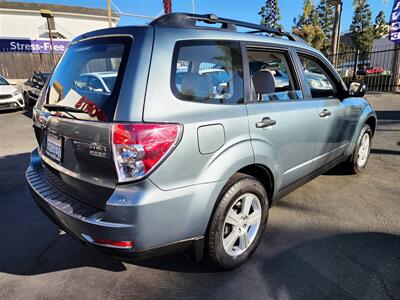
(10, 96)
(101, 82)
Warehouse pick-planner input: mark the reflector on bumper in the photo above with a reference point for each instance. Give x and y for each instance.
(109, 243)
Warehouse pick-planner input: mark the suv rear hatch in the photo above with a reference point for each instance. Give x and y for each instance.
(73, 121)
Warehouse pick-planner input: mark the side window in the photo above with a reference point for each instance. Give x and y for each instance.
(208, 71)
(320, 82)
(81, 83)
(94, 84)
(271, 76)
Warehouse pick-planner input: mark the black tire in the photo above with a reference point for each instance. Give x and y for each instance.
(351, 166)
(26, 97)
(238, 185)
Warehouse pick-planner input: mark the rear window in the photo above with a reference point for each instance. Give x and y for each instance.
(208, 71)
(85, 84)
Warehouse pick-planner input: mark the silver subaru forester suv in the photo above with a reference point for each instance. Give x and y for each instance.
(180, 134)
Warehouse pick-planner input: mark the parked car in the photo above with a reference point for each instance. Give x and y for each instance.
(102, 82)
(33, 87)
(367, 70)
(163, 162)
(10, 96)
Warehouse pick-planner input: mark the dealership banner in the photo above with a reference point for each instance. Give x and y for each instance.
(32, 46)
(394, 33)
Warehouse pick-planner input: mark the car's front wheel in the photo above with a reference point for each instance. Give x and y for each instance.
(238, 222)
(359, 159)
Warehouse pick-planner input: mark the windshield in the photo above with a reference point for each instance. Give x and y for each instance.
(3, 81)
(79, 82)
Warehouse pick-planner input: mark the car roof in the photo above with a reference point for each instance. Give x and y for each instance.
(182, 22)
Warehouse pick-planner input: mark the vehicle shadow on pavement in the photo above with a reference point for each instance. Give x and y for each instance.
(354, 265)
(385, 151)
(388, 115)
(28, 112)
(32, 244)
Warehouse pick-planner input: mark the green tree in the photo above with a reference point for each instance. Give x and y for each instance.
(307, 26)
(361, 27)
(270, 14)
(380, 27)
(326, 16)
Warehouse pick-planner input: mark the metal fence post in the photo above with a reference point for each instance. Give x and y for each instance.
(357, 54)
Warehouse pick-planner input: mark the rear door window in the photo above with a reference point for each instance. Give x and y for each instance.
(77, 89)
(208, 71)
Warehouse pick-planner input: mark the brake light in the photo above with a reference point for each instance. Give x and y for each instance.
(138, 148)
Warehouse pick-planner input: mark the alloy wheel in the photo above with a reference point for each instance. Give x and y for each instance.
(241, 224)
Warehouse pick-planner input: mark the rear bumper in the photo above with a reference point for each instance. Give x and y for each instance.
(139, 212)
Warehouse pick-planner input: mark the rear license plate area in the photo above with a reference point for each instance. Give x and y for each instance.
(54, 146)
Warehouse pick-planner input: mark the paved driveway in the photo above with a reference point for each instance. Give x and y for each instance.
(336, 237)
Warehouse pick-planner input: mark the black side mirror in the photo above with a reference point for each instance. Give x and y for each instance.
(357, 89)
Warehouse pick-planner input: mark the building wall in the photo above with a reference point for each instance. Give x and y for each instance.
(30, 24)
(383, 53)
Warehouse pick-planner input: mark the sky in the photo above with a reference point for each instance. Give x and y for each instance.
(245, 10)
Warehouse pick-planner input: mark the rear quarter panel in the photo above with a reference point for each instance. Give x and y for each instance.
(186, 165)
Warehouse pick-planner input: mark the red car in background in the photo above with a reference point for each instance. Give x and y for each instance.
(365, 70)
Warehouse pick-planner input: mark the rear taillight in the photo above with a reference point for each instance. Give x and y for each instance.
(138, 148)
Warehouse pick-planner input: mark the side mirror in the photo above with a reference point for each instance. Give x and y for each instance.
(357, 89)
(12, 82)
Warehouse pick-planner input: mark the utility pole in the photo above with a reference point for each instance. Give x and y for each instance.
(336, 28)
(109, 13)
(45, 13)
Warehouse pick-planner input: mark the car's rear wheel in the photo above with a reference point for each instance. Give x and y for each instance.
(359, 159)
(238, 222)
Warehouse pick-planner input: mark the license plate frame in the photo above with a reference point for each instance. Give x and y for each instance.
(54, 146)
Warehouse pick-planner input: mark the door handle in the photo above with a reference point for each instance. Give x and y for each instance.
(325, 113)
(265, 122)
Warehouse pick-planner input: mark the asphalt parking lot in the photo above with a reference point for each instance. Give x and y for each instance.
(336, 237)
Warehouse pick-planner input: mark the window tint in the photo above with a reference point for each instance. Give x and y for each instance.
(3, 81)
(77, 79)
(271, 76)
(208, 71)
(95, 84)
(110, 81)
(320, 83)
(81, 83)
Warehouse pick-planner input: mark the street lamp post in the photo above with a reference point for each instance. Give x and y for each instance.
(46, 13)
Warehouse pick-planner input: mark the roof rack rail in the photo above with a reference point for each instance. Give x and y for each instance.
(189, 20)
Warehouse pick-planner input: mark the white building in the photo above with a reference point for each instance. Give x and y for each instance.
(25, 46)
(23, 20)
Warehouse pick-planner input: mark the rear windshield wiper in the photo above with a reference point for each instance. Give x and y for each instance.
(62, 108)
